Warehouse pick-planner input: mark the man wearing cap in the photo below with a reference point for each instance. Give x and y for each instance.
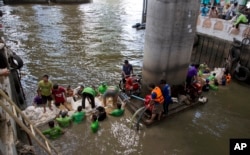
(127, 70)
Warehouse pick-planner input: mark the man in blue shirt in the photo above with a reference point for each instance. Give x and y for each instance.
(127, 70)
(166, 92)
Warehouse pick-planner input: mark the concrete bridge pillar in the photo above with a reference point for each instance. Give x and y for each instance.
(169, 37)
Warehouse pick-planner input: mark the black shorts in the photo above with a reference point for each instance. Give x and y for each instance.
(46, 98)
(189, 80)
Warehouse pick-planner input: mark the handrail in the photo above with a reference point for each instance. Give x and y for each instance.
(47, 146)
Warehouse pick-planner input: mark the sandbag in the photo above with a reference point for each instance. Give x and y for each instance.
(117, 112)
(213, 87)
(37, 115)
(94, 126)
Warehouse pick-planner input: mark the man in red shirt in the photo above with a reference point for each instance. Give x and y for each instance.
(59, 94)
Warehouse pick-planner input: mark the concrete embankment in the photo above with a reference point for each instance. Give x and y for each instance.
(219, 44)
(218, 52)
(222, 29)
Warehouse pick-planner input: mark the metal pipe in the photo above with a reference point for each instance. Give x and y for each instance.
(139, 98)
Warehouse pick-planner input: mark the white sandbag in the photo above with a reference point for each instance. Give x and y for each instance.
(203, 99)
(87, 104)
(37, 115)
(75, 91)
(98, 102)
(38, 111)
(69, 99)
(219, 73)
(76, 104)
(29, 115)
(30, 109)
(174, 99)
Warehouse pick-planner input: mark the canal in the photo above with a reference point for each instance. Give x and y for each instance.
(86, 44)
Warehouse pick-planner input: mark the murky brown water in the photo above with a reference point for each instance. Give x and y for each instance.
(86, 44)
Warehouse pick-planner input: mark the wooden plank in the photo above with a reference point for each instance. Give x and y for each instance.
(14, 110)
(23, 126)
(47, 144)
(32, 130)
(27, 120)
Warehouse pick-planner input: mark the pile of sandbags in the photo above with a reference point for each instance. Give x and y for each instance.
(219, 72)
(37, 115)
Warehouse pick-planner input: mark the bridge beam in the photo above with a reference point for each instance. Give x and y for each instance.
(169, 37)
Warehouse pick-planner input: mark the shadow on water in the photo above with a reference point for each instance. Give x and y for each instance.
(86, 44)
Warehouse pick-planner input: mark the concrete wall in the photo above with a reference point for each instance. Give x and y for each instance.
(171, 27)
(215, 41)
(222, 29)
(214, 50)
(8, 134)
